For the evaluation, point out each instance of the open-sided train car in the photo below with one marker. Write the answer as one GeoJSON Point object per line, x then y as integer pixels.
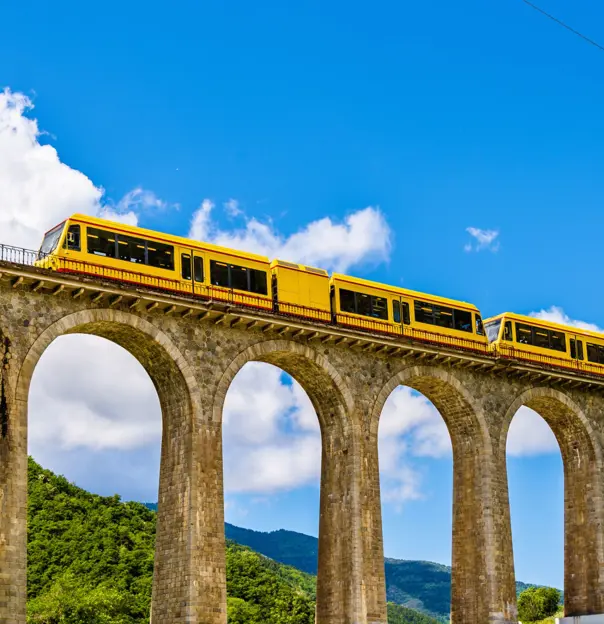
{"type": "Point", "coordinates": [84, 244]}
{"type": "Point", "coordinates": [515, 336]}
{"type": "Point", "coordinates": [377, 307]}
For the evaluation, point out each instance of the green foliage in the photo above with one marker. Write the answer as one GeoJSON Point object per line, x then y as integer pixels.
{"type": "Point", "coordinates": [90, 561]}
{"type": "Point", "coordinates": [537, 603]}
{"type": "Point", "coordinates": [398, 614]}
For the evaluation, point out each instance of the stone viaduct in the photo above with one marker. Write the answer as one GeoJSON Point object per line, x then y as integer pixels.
{"type": "Point", "coordinates": [192, 351]}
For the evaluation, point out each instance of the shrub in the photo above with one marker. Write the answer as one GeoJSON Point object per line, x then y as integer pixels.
{"type": "Point", "coordinates": [537, 603]}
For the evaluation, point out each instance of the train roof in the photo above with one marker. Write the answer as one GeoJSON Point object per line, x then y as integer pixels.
{"type": "Point", "coordinates": [545, 323]}
{"type": "Point", "coordinates": [405, 291]}
{"type": "Point", "coordinates": [161, 236]}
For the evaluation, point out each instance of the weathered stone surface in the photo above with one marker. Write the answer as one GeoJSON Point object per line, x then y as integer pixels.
{"type": "Point", "coordinates": [192, 363]}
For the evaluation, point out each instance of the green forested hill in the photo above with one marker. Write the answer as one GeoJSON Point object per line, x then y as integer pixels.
{"type": "Point", "coordinates": [421, 585]}
{"type": "Point", "coordinates": [90, 561]}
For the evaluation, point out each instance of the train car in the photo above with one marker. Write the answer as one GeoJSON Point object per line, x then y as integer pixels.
{"type": "Point", "coordinates": [380, 308]}
{"type": "Point", "coordinates": [116, 251]}
{"type": "Point", "coordinates": [514, 336]}
{"type": "Point", "coordinates": [300, 290]}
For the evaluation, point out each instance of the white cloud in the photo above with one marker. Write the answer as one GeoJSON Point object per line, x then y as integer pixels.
{"type": "Point", "coordinates": [555, 314]}
{"type": "Point", "coordinates": [37, 190]}
{"type": "Point", "coordinates": [232, 208]}
{"type": "Point", "coordinates": [530, 435]}
{"type": "Point", "coordinates": [271, 433]}
{"type": "Point", "coordinates": [363, 236]}
{"type": "Point", "coordinates": [483, 239]}
{"type": "Point", "coordinates": [87, 392]}
{"type": "Point", "coordinates": [410, 428]}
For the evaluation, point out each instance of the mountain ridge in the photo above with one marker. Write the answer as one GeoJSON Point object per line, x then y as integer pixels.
{"type": "Point", "coordinates": [421, 585]}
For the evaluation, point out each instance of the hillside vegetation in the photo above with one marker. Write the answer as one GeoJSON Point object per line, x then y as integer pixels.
{"type": "Point", "coordinates": [90, 561]}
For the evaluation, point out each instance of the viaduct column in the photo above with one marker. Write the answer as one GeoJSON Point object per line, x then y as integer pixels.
{"type": "Point", "coordinates": [351, 582]}
{"type": "Point", "coordinates": [13, 486]}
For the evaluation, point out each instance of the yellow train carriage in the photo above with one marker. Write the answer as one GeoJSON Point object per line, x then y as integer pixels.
{"type": "Point", "coordinates": [84, 244]}
{"type": "Point", "coordinates": [300, 290]}
{"type": "Point", "coordinates": [398, 311]}
{"type": "Point", "coordinates": [520, 337]}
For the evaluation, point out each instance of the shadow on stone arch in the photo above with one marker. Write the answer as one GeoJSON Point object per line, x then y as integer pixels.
{"type": "Point", "coordinates": [582, 463]}
{"type": "Point", "coordinates": [473, 550]}
{"type": "Point", "coordinates": [178, 396]}
{"type": "Point", "coordinates": [333, 404]}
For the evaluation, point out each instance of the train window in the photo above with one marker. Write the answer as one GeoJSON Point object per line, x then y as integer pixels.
{"type": "Point", "coordinates": [72, 240]}
{"type": "Point", "coordinates": [100, 243]}
{"type": "Point", "coordinates": [424, 312]}
{"type": "Point", "coordinates": [524, 334]}
{"type": "Point", "coordinates": [443, 317]}
{"type": "Point", "coordinates": [198, 268]}
{"type": "Point", "coordinates": [363, 302]}
{"type": "Point", "coordinates": [580, 349]}
{"type": "Point", "coordinates": [185, 266]}
{"type": "Point", "coordinates": [406, 315]}
{"type": "Point", "coordinates": [595, 353]}
{"type": "Point", "coordinates": [131, 249]}
{"type": "Point", "coordinates": [396, 311]}
{"type": "Point", "coordinates": [507, 331]}
{"type": "Point", "coordinates": [379, 308]}
{"type": "Point", "coordinates": [493, 330]}
{"type": "Point", "coordinates": [51, 240]}
{"type": "Point", "coordinates": [347, 301]}
{"type": "Point", "coordinates": [219, 273]}
{"type": "Point", "coordinates": [160, 256]}
{"type": "Point", "coordinates": [258, 282]}
{"type": "Point", "coordinates": [541, 338]}
{"type": "Point", "coordinates": [573, 349]}
{"type": "Point", "coordinates": [239, 278]}
{"type": "Point", "coordinates": [463, 320]}
{"type": "Point", "coordinates": [557, 341]}
{"type": "Point", "coordinates": [479, 326]}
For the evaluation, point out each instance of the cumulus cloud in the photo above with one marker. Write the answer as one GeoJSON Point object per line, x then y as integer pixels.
{"type": "Point", "coordinates": [483, 239]}
{"type": "Point", "coordinates": [232, 208]}
{"type": "Point", "coordinates": [37, 190]}
{"type": "Point", "coordinates": [363, 236]}
{"type": "Point", "coordinates": [271, 433]}
{"type": "Point", "coordinates": [88, 392]}
{"type": "Point", "coordinates": [556, 314]}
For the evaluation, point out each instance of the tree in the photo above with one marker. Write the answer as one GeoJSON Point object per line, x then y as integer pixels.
{"type": "Point", "coordinates": [537, 603]}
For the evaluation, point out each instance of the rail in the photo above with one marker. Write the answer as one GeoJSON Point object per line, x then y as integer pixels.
{"type": "Point", "coordinates": [212, 293]}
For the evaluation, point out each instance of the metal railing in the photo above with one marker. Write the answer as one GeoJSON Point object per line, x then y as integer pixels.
{"type": "Point", "coordinates": [406, 331]}
{"type": "Point", "coordinates": [211, 293]}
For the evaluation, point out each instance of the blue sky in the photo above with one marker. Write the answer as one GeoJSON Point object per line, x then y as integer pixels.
{"type": "Point", "coordinates": [442, 116]}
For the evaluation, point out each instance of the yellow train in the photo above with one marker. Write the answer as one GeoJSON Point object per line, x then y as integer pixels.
{"type": "Point", "coordinates": [87, 245]}
{"type": "Point", "coordinates": [518, 337]}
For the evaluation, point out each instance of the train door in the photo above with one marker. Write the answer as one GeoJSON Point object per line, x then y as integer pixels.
{"type": "Point", "coordinates": [576, 350]}
{"type": "Point", "coordinates": [192, 272]}
{"type": "Point", "coordinates": [400, 313]}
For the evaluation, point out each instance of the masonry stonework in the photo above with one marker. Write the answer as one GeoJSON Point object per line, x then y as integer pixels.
{"type": "Point", "coordinates": [192, 360]}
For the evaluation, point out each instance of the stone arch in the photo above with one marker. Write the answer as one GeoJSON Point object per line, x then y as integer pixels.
{"type": "Point", "coordinates": [482, 589]}
{"type": "Point", "coordinates": [583, 489]}
{"type": "Point", "coordinates": [177, 388]}
{"type": "Point", "coordinates": [149, 345]}
{"type": "Point", "coordinates": [450, 397]}
{"type": "Point", "coordinates": [320, 380]}
{"type": "Point", "coordinates": [340, 598]}
{"type": "Point", "coordinates": [565, 418]}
